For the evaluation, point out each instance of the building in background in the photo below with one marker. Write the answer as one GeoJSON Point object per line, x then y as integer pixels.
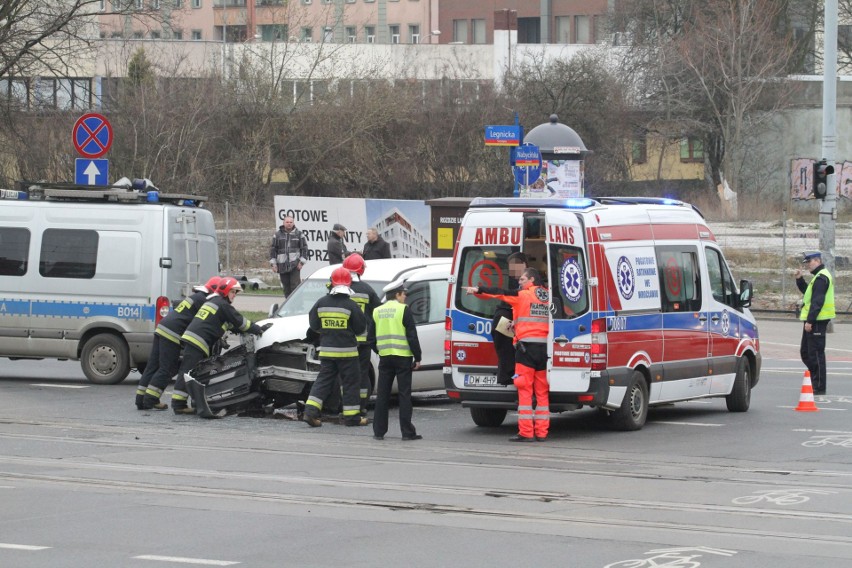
{"type": "Point", "coordinates": [405, 240]}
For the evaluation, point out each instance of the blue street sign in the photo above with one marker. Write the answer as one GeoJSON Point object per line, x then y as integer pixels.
{"type": "Point", "coordinates": [527, 164]}
{"type": "Point", "coordinates": [91, 172]}
{"type": "Point", "coordinates": [503, 135]}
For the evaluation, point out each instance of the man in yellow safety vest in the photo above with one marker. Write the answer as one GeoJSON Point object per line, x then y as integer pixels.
{"type": "Point", "coordinates": [817, 311]}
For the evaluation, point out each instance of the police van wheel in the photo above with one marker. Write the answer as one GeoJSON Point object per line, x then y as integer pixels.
{"type": "Point", "coordinates": [740, 397]}
{"type": "Point", "coordinates": [488, 417]}
{"type": "Point", "coordinates": [633, 412]}
{"type": "Point", "coordinates": [105, 359]}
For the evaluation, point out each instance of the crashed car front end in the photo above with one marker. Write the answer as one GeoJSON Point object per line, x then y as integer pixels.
{"type": "Point", "coordinates": [287, 370]}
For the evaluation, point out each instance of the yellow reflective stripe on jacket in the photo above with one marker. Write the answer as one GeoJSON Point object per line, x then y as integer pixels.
{"type": "Point", "coordinates": [827, 312]}
{"type": "Point", "coordinates": [362, 300]}
{"type": "Point", "coordinates": [166, 333]}
{"type": "Point", "coordinates": [338, 352]}
{"type": "Point", "coordinates": [390, 331]}
{"type": "Point", "coordinates": [197, 341]}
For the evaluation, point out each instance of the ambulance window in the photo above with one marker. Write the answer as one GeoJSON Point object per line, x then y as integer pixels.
{"type": "Point", "coordinates": [14, 251]}
{"type": "Point", "coordinates": [487, 267]}
{"type": "Point", "coordinates": [68, 253]}
{"type": "Point", "coordinates": [680, 280]}
{"type": "Point", "coordinates": [427, 301]}
{"type": "Point", "coordinates": [721, 282]}
{"type": "Point", "coordinates": [568, 281]}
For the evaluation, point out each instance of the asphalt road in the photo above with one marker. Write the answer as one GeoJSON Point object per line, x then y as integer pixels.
{"type": "Point", "coordinates": [87, 480]}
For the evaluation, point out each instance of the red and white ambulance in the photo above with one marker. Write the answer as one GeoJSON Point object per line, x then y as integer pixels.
{"type": "Point", "coordinates": [643, 307]}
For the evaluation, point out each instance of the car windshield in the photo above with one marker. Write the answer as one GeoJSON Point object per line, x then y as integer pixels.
{"type": "Point", "coordinates": [306, 295]}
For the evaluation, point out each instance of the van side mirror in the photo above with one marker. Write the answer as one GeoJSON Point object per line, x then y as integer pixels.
{"type": "Point", "coordinates": [746, 293]}
{"type": "Point", "coordinates": [273, 309]}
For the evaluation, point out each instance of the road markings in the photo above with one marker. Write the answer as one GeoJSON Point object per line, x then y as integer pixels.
{"type": "Point", "coordinates": [59, 386]}
{"type": "Point", "coordinates": [684, 423]}
{"type": "Point", "coordinates": [22, 546]}
{"type": "Point", "coordinates": [821, 407]}
{"type": "Point", "coordinates": [186, 560]}
{"type": "Point", "coordinates": [419, 408]}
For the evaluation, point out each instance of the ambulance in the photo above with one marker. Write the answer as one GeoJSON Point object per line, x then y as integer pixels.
{"type": "Point", "coordinates": [643, 307]}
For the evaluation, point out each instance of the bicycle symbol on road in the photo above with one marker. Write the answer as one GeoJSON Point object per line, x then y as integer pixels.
{"type": "Point", "coordinates": [671, 557]}
{"type": "Point", "coordinates": [842, 440]}
{"type": "Point", "coordinates": [781, 496]}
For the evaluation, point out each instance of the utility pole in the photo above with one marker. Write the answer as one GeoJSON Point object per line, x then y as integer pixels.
{"type": "Point", "coordinates": [828, 206]}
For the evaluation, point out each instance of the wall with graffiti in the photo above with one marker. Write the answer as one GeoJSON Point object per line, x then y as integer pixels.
{"type": "Point", "coordinates": [802, 178]}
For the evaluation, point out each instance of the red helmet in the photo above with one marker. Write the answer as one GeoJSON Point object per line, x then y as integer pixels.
{"type": "Point", "coordinates": [213, 283]}
{"type": "Point", "coordinates": [228, 284]}
{"type": "Point", "coordinates": [355, 263]}
{"type": "Point", "coordinates": [341, 277]}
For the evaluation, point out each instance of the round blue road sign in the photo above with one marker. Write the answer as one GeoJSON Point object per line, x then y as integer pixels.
{"type": "Point", "coordinates": [92, 135]}
{"type": "Point", "coordinates": [527, 164]}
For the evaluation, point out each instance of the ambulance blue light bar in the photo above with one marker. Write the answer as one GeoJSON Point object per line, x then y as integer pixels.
{"type": "Point", "coordinates": [534, 203]}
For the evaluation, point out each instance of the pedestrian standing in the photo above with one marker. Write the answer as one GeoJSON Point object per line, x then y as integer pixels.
{"type": "Point", "coordinates": [164, 359]}
{"type": "Point", "coordinates": [336, 248]}
{"type": "Point", "coordinates": [503, 344]}
{"type": "Point", "coordinates": [338, 320]}
{"type": "Point", "coordinates": [530, 307]}
{"type": "Point", "coordinates": [399, 355]}
{"type": "Point", "coordinates": [367, 299]}
{"type": "Point", "coordinates": [288, 253]}
{"type": "Point", "coordinates": [817, 311]}
{"type": "Point", "coordinates": [376, 247]}
{"type": "Point", "coordinates": [213, 319]}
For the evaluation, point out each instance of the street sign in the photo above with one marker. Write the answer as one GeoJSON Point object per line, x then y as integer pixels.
{"type": "Point", "coordinates": [527, 164]}
{"type": "Point", "coordinates": [503, 135]}
{"type": "Point", "coordinates": [92, 135]}
{"type": "Point", "coordinates": [91, 172]}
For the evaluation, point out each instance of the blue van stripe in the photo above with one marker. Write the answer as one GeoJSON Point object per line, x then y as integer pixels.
{"type": "Point", "coordinates": [48, 309]}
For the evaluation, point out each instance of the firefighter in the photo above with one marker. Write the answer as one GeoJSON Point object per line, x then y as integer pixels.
{"type": "Point", "coordinates": [400, 354]}
{"type": "Point", "coordinates": [338, 320]}
{"type": "Point", "coordinates": [363, 295]}
{"type": "Point", "coordinates": [530, 307]}
{"type": "Point", "coordinates": [213, 319]}
{"type": "Point", "coordinates": [164, 359]}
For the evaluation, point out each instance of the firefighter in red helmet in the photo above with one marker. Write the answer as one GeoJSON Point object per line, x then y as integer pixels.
{"type": "Point", "coordinates": [363, 295]}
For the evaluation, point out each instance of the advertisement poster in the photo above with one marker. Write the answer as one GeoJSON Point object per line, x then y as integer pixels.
{"type": "Point", "coordinates": [559, 178]}
{"type": "Point", "coordinates": [404, 224]}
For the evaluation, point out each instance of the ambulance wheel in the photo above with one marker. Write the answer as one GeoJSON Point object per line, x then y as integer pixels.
{"type": "Point", "coordinates": [633, 412]}
{"type": "Point", "coordinates": [488, 417]}
{"type": "Point", "coordinates": [105, 359]}
{"type": "Point", "coordinates": [740, 397]}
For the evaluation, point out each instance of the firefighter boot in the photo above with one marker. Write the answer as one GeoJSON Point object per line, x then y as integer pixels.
{"type": "Point", "coordinates": [139, 398]}
{"type": "Point", "coordinates": [150, 402]}
{"type": "Point", "coordinates": [312, 417]}
{"type": "Point", "coordinates": [182, 408]}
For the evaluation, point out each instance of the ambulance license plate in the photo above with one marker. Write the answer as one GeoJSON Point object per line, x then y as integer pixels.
{"type": "Point", "coordinates": [480, 380]}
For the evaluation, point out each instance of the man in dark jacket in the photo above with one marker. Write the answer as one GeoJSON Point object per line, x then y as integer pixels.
{"type": "Point", "coordinates": [288, 253]}
{"type": "Point", "coordinates": [503, 344]}
{"type": "Point", "coordinates": [338, 320]}
{"type": "Point", "coordinates": [376, 247]}
{"type": "Point", "coordinates": [817, 311]}
{"type": "Point", "coordinates": [337, 244]}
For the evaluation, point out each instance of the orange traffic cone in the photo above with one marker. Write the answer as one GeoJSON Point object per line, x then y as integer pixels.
{"type": "Point", "coordinates": [806, 399]}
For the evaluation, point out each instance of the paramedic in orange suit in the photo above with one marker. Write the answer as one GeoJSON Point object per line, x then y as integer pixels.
{"type": "Point", "coordinates": [530, 307]}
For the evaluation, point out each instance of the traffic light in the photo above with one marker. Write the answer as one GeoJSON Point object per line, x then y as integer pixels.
{"type": "Point", "coordinates": [821, 172]}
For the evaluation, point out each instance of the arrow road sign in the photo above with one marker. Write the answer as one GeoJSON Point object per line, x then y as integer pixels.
{"type": "Point", "coordinates": [91, 172]}
{"type": "Point", "coordinates": [92, 135]}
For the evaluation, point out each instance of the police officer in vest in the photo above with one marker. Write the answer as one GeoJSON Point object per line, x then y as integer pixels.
{"type": "Point", "coordinates": [817, 311]}
{"type": "Point", "coordinates": [530, 306]}
{"type": "Point", "coordinates": [399, 355]}
{"type": "Point", "coordinates": [363, 295]}
{"type": "Point", "coordinates": [214, 318]}
{"type": "Point", "coordinates": [338, 320]}
{"type": "Point", "coordinates": [164, 359]}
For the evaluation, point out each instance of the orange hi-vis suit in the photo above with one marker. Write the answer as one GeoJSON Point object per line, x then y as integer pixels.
{"type": "Point", "coordinates": [530, 307]}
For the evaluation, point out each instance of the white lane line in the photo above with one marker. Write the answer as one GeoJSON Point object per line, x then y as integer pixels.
{"type": "Point", "coordinates": [186, 560]}
{"type": "Point", "coordinates": [419, 408]}
{"type": "Point", "coordinates": [685, 423]}
{"type": "Point", "coordinates": [800, 373]}
{"type": "Point", "coordinates": [23, 546]}
{"type": "Point", "coordinates": [796, 345]}
{"type": "Point", "coordinates": [59, 386]}
{"type": "Point", "coordinates": [820, 431]}
{"type": "Point", "coordinates": [821, 407]}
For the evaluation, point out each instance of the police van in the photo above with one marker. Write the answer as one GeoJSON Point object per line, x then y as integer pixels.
{"type": "Point", "coordinates": [86, 273]}
{"type": "Point", "coordinates": [643, 308]}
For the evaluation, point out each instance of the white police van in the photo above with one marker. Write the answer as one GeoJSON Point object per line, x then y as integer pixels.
{"type": "Point", "coordinates": [86, 272]}
{"type": "Point", "coordinates": [643, 307]}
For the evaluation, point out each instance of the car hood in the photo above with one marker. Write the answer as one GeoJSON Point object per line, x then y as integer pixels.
{"type": "Point", "coordinates": [283, 329]}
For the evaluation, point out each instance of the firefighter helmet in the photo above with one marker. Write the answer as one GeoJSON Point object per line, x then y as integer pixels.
{"type": "Point", "coordinates": [210, 286]}
{"type": "Point", "coordinates": [228, 284]}
{"type": "Point", "coordinates": [355, 263]}
{"type": "Point", "coordinates": [341, 277]}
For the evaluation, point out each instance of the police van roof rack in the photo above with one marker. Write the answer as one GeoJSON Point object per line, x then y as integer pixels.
{"type": "Point", "coordinates": [123, 191]}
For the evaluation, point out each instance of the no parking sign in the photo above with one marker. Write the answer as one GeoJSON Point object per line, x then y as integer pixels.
{"type": "Point", "coordinates": [92, 135]}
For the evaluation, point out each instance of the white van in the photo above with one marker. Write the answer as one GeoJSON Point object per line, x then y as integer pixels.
{"type": "Point", "coordinates": [643, 307]}
{"type": "Point", "coordinates": [86, 273]}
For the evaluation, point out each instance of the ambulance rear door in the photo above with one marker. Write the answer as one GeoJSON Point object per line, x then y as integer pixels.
{"type": "Point", "coordinates": [569, 340]}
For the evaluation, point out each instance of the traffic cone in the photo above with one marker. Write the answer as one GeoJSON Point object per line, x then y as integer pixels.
{"type": "Point", "coordinates": [806, 399]}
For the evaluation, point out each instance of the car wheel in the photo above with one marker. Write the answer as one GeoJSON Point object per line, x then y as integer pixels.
{"type": "Point", "coordinates": [633, 412]}
{"type": "Point", "coordinates": [740, 397]}
{"type": "Point", "coordinates": [488, 417]}
{"type": "Point", "coordinates": [105, 359]}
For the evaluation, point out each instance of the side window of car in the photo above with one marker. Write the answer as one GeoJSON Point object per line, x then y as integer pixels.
{"type": "Point", "coordinates": [14, 251]}
{"type": "Point", "coordinates": [426, 301]}
{"type": "Point", "coordinates": [680, 278]}
{"type": "Point", "coordinates": [721, 281]}
{"type": "Point", "coordinates": [68, 253]}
